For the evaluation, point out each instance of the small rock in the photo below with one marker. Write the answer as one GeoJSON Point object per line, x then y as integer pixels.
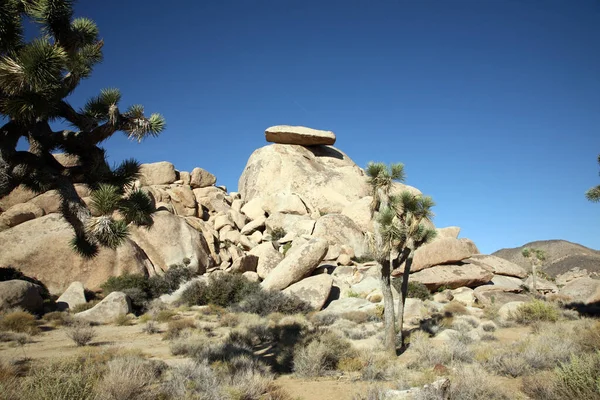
{"type": "Point", "coordinates": [73, 296]}
{"type": "Point", "coordinates": [113, 305]}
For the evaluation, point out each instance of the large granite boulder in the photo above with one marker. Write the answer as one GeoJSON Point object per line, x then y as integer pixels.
{"type": "Point", "coordinates": [73, 296]}
{"type": "Point", "coordinates": [452, 276]}
{"type": "Point", "coordinates": [285, 134]}
{"type": "Point", "coordinates": [497, 265]}
{"type": "Point", "coordinates": [338, 229]}
{"type": "Point", "coordinates": [20, 213]}
{"type": "Point", "coordinates": [313, 290]}
{"type": "Point", "coordinates": [170, 240]}
{"type": "Point", "coordinates": [268, 258]}
{"type": "Point", "coordinates": [444, 250]}
{"type": "Point", "coordinates": [296, 265]}
{"type": "Point", "coordinates": [18, 293]}
{"type": "Point", "coordinates": [41, 248]}
{"type": "Point", "coordinates": [112, 306]}
{"type": "Point", "coordinates": [200, 178]}
{"type": "Point", "coordinates": [581, 289]}
{"type": "Point", "coordinates": [159, 173]}
{"type": "Point", "coordinates": [324, 178]}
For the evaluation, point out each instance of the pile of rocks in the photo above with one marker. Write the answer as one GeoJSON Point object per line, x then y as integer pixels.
{"type": "Point", "coordinates": [298, 224]}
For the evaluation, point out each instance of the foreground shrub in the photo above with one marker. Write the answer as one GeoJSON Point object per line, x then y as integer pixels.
{"type": "Point", "coordinates": [64, 380]}
{"type": "Point", "coordinates": [128, 378]}
{"type": "Point", "coordinates": [579, 378]}
{"type": "Point", "coordinates": [321, 354]}
{"type": "Point", "coordinates": [81, 333]}
{"type": "Point", "coordinates": [535, 311]}
{"type": "Point", "coordinates": [176, 327]}
{"type": "Point", "coordinates": [470, 382]}
{"type": "Point", "coordinates": [58, 318]}
{"type": "Point", "coordinates": [221, 290]}
{"type": "Point", "coordinates": [19, 321]}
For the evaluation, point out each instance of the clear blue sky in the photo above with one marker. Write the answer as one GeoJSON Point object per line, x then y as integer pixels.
{"type": "Point", "coordinates": [493, 105]}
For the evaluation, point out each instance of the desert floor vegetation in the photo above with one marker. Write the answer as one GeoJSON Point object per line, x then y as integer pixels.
{"type": "Point", "coordinates": [216, 352]}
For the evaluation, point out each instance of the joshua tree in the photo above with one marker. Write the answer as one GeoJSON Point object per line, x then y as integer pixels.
{"type": "Point", "coordinates": [399, 231]}
{"type": "Point", "coordinates": [594, 193]}
{"type": "Point", "coordinates": [36, 78]}
{"type": "Point", "coordinates": [535, 257]}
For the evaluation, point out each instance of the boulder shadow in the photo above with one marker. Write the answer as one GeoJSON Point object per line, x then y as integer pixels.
{"type": "Point", "coordinates": [325, 151]}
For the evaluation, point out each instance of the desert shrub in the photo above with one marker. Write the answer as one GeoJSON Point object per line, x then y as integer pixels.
{"type": "Point", "coordinates": [128, 378]}
{"type": "Point", "coordinates": [351, 364]}
{"type": "Point", "coordinates": [354, 294]}
{"type": "Point", "coordinates": [122, 320]}
{"type": "Point", "coordinates": [372, 393]}
{"type": "Point", "coordinates": [377, 367]}
{"type": "Point", "coordinates": [64, 380]}
{"type": "Point", "coordinates": [489, 326]}
{"type": "Point", "coordinates": [579, 378]}
{"type": "Point", "coordinates": [84, 306]}
{"type": "Point", "coordinates": [191, 346]}
{"type": "Point", "coordinates": [488, 337]}
{"type": "Point", "coordinates": [418, 290]}
{"type": "Point", "coordinates": [164, 315]}
{"type": "Point", "coordinates": [265, 302]}
{"type": "Point", "coordinates": [277, 233]}
{"type": "Point", "coordinates": [428, 354]}
{"type": "Point", "coordinates": [170, 281]}
{"type": "Point", "coordinates": [511, 364]}
{"type": "Point", "coordinates": [324, 319]}
{"type": "Point", "coordinates": [58, 318]}
{"type": "Point", "coordinates": [534, 311]}
{"type": "Point", "coordinates": [541, 386]}
{"type": "Point", "coordinates": [321, 354]}
{"type": "Point", "coordinates": [81, 333]}
{"type": "Point", "coordinates": [19, 321]}
{"type": "Point", "coordinates": [193, 380]}
{"type": "Point", "coordinates": [472, 383]}
{"type": "Point", "coordinates": [150, 328]}
{"type": "Point", "coordinates": [176, 327]}
{"type": "Point", "coordinates": [221, 290]}
{"type": "Point", "coordinates": [587, 336]}
{"type": "Point", "coordinates": [455, 308]}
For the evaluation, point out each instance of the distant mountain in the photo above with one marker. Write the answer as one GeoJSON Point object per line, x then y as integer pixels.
{"type": "Point", "coordinates": [561, 256]}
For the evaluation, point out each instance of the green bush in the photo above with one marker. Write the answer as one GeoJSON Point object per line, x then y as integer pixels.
{"type": "Point", "coordinates": [418, 290]}
{"type": "Point", "coordinates": [579, 378]}
{"type": "Point", "coordinates": [265, 302]}
{"type": "Point", "coordinates": [277, 233]}
{"type": "Point", "coordinates": [535, 311]}
{"type": "Point", "coordinates": [221, 290]}
{"type": "Point", "coordinates": [142, 289]}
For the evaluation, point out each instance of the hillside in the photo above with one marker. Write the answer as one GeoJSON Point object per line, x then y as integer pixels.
{"type": "Point", "coordinates": [561, 256]}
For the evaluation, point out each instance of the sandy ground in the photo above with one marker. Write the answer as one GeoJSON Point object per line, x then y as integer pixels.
{"type": "Point", "coordinates": [54, 343]}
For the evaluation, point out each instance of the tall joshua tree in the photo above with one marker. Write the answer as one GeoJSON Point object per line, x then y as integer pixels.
{"type": "Point", "coordinates": [594, 193]}
{"type": "Point", "coordinates": [36, 78]}
{"type": "Point", "coordinates": [536, 257]}
{"type": "Point", "coordinates": [399, 230]}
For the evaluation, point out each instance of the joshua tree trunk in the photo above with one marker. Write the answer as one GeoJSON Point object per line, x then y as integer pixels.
{"type": "Point", "coordinates": [404, 294]}
{"type": "Point", "coordinates": [388, 301]}
{"type": "Point", "coordinates": [534, 278]}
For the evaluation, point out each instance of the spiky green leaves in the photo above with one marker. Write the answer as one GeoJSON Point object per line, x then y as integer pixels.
{"type": "Point", "coordinates": [138, 126]}
{"type": "Point", "coordinates": [137, 208]}
{"type": "Point", "coordinates": [381, 176]}
{"type": "Point", "coordinates": [11, 30]}
{"type": "Point", "coordinates": [106, 199]}
{"type": "Point", "coordinates": [54, 15]}
{"type": "Point", "coordinates": [593, 194]}
{"type": "Point", "coordinates": [107, 231]}
{"type": "Point", "coordinates": [99, 107]}
{"type": "Point", "coordinates": [84, 32]}
{"type": "Point", "coordinates": [534, 255]}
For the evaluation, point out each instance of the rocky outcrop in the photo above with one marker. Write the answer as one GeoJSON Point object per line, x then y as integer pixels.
{"type": "Point", "coordinates": [112, 306]}
{"type": "Point", "coordinates": [340, 230]}
{"type": "Point", "coordinates": [452, 276]}
{"type": "Point", "coordinates": [296, 265]}
{"type": "Point", "coordinates": [268, 258]}
{"type": "Point", "coordinates": [73, 296]}
{"type": "Point", "coordinates": [323, 177]}
{"type": "Point", "coordinates": [159, 173]}
{"type": "Point", "coordinates": [200, 178]}
{"type": "Point", "coordinates": [497, 265]}
{"type": "Point", "coordinates": [285, 134]}
{"type": "Point", "coordinates": [23, 294]}
{"type": "Point", "coordinates": [169, 241]}
{"type": "Point", "coordinates": [41, 248]}
{"type": "Point", "coordinates": [444, 250]}
{"type": "Point", "coordinates": [581, 289]}
{"type": "Point", "coordinates": [313, 290]}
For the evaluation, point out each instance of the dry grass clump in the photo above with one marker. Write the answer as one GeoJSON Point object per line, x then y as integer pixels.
{"type": "Point", "coordinates": [536, 311]}
{"type": "Point", "coordinates": [150, 328]}
{"type": "Point", "coordinates": [81, 333]}
{"type": "Point", "coordinates": [429, 354]}
{"type": "Point", "coordinates": [321, 354]}
{"type": "Point", "coordinates": [471, 382]}
{"type": "Point", "coordinates": [579, 378]}
{"type": "Point", "coordinates": [84, 306]}
{"type": "Point", "coordinates": [122, 320]}
{"type": "Point", "coordinates": [58, 318]}
{"type": "Point", "coordinates": [128, 378]}
{"type": "Point", "coordinates": [372, 393]}
{"type": "Point", "coordinates": [190, 346]}
{"type": "Point", "coordinates": [20, 322]}
{"type": "Point", "coordinates": [176, 328]}
{"type": "Point", "coordinates": [323, 318]}
{"type": "Point", "coordinates": [587, 335]}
